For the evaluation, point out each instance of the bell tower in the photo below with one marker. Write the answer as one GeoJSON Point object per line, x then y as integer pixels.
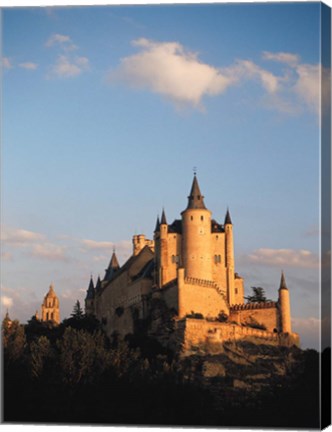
{"type": "Point", "coordinates": [50, 307]}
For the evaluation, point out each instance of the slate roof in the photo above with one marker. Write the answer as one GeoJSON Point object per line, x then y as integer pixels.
{"type": "Point", "coordinates": [90, 294]}
{"type": "Point", "coordinates": [228, 219]}
{"type": "Point", "coordinates": [175, 227]}
{"type": "Point", "coordinates": [283, 282]}
{"type": "Point", "coordinates": [195, 199]}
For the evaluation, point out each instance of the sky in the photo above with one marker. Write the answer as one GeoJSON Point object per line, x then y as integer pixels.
{"type": "Point", "coordinates": [106, 111]}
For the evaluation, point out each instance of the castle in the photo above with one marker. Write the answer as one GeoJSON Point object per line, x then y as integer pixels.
{"type": "Point", "coordinates": [186, 276]}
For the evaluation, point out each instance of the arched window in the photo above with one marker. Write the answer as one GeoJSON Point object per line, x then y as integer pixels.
{"type": "Point", "coordinates": [202, 218]}
{"type": "Point", "coordinates": [191, 217]}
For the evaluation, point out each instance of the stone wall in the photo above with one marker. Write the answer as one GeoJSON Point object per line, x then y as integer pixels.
{"type": "Point", "coordinates": [266, 314]}
{"type": "Point", "coordinates": [199, 296]}
{"type": "Point", "coordinates": [209, 336]}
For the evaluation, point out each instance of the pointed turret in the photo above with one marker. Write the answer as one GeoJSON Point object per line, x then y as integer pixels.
{"type": "Point", "coordinates": [98, 285]}
{"type": "Point", "coordinates": [112, 268]}
{"type": "Point", "coordinates": [90, 294]}
{"type": "Point", "coordinates": [163, 218]}
{"type": "Point", "coordinates": [284, 305]}
{"type": "Point", "coordinates": [228, 220]}
{"type": "Point", "coordinates": [283, 282]}
{"type": "Point", "coordinates": [195, 199]}
{"type": "Point", "coordinates": [157, 229]}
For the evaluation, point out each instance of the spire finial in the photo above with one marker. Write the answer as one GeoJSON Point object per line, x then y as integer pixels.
{"type": "Point", "coordinates": [195, 170]}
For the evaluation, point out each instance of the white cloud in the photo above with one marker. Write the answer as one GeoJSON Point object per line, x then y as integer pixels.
{"type": "Point", "coordinates": [282, 57]}
{"type": "Point", "coordinates": [284, 258]}
{"type": "Point", "coordinates": [56, 39]}
{"type": "Point", "coordinates": [6, 63]}
{"type": "Point", "coordinates": [168, 69]}
{"type": "Point", "coordinates": [6, 301]}
{"type": "Point", "coordinates": [307, 86]}
{"type": "Point", "coordinates": [247, 70]}
{"type": "Point", "coordinates": [28, 65]}
{"type": "Point", "coordinates": [20, 236]}
{"type": "Point", "coordinates": [67, 67]}
{"type": "Point", "coordinates": [49, 251]}
{"type": "Point", "coordinates": [97, 245]}
{"type": "Point", "coordinates": [122, 248]}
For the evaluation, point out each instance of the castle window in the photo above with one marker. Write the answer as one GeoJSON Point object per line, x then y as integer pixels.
{"type": "Point", "coordinates": [236, 291]}
{"type": "Point", "coordinates": [191, 217]}
{"type": "Point", "coordinates": [217, 237]}
{"type": "Point", "coordinates": [202, 218]}
{"type": "Point", "coordinates": [198, 197]}
{"type": "Point", "coordinates": [217, 259]}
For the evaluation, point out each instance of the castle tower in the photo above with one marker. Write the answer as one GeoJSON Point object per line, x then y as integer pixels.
{"type": "Point", "coordinates": [50, 307]}
{"type": "Point", "coordinates": [229, 258]}
{"type": "Point", "coordinates": [196, 236]}
{"type": "Point", "coordinates": [89, 299]}
{"type": "Point", "coordinates": [163, 249]}
{"type": "Point", "coordinates": [284, 304]}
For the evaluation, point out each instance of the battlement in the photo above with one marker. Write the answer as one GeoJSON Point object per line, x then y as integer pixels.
{"type": "Point", "coordinates": [249, 306]}
{"type": "Point", "coordinates": [204, 283]}
{"type": "Point", "coordinates": [198, 333]}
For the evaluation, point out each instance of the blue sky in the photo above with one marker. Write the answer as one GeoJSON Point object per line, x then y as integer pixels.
{"type": "Point", "coordinates": [106, 110]}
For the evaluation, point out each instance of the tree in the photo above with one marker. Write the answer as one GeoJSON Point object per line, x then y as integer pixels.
{"type": "Point", "coordinates": [77, 311]}
{"type": "Point", "coordinates": [14, 340]}
{"type": "Point", "coordinates": [40, 351]}
{"type": "Point", "coordinates": [258, 295]}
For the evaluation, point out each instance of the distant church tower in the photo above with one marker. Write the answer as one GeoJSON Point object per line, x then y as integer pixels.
{"type": "Point", "coordinates": [50, 307]}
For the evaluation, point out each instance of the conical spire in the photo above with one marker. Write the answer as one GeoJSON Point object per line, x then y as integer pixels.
{"type": "Point", "coordinates": [157, 229]}
{"type": "Point", "coordinates": [98, 284]}
{"type": "Point", "coordinates": [112, 267]}
{"type": "Point", "coordinates": [195, 199]}
{"type": "Point", "coordinates": [91, 290]}
{"type": "Point", "coordinates": [114, 263]}
{"type": "Point", "coordinates": [228, 219]}
{"type": "Point", "coordinates": [163, 218]}
{"type": "Point", "coordinates": [283, 282]}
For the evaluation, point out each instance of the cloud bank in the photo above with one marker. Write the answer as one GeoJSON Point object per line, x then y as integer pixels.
{"type": "Point", "coordinates": [284, 258]}
{"type": "Point", "coordinates": [170, 70]}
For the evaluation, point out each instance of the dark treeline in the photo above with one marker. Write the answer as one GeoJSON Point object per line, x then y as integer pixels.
{"type": "Point", "coordinates": [72, 373]}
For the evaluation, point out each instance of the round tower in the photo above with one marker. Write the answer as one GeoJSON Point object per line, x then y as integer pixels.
{"type": "Point", "coordinates": [284, 303]}
{"type": "Point", "coordinates": [229, 258]}
{"type": "Point", "coordinates": [196, 236]}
